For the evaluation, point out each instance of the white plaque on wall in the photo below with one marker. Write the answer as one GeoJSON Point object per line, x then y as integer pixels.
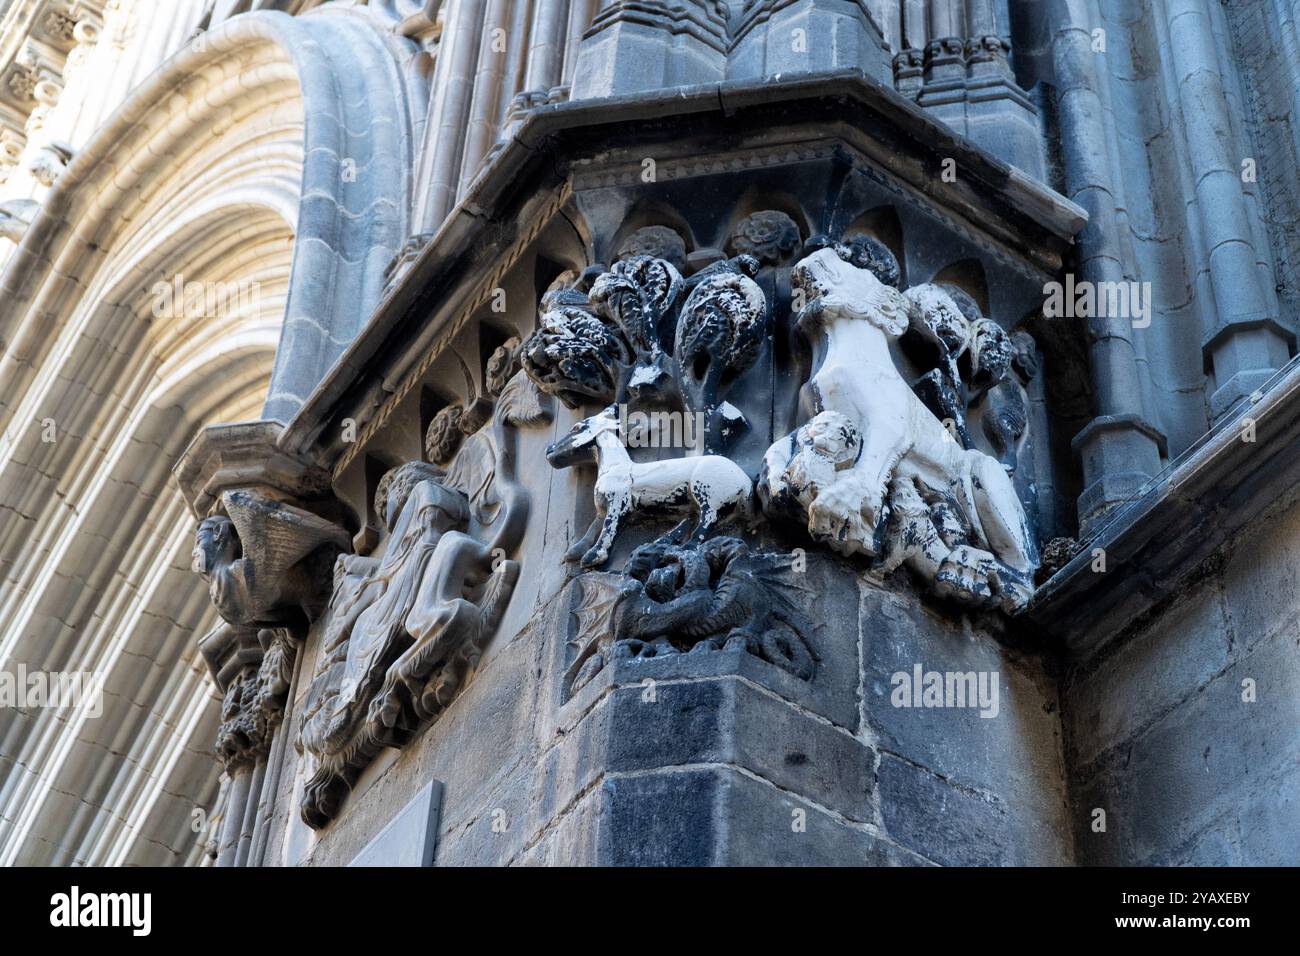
{"type": "Point", "coordinates": [410, 837]}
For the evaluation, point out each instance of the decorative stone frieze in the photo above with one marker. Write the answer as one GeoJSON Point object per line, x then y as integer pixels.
{"type": "Point", "coordinates": [883, 468]}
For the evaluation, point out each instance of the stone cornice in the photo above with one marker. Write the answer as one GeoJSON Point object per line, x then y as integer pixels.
{"type": "Point", "coordinates": [1191, 510]}
{"type": "Point", "coordinates": [243, 455]}
{"type": "Point", "coordinates": [531, 171]}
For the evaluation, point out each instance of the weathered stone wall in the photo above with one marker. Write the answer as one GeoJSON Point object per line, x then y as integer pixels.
{"type": "Point", "coordinates": [721, 758]}
{"type": "Point", "coordinates": [1161, 732]}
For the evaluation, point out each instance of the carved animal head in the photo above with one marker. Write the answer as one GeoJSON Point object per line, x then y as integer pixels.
{"type": "Point", "coordinates": [215, 545]}
{"type": "Point", "coordinates": [579, 445]}
{"type": "Point", "coordinates": [827, 444]}
{"type": "Point", "coordinates": [574, 354]}
{"type": "Point", "coordinates": [834, 437]}
{"type": "Point", "coordinates": [938, 319]}
{"type": "Point", "coordinates": [991, 353]}
{"type": "Point", "coordinates": [795, 471]}
{"type": "Point", "coordinates": [831, 288]}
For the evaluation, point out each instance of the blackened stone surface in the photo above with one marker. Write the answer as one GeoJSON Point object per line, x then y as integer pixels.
{"type": "Point", "coordinates": [950, 825]}
{"type": "Point", "coordinates": [1163, 733]}
{"type": "Point", "coordinates": [1012, 760]}
{"type": "Point", "coordinates": [723, 817]}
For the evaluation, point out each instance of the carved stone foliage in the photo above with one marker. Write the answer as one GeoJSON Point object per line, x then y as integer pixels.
{"type": "Point", "coordinates": [672, 599]}
{"type": "Point", "coordinates": [405, 629]}
{"type": "Point", "coordinates": [875, 472]}
{"type": "Point", "coordinates": [977, 368]}
{"type": "Point", "coordinates": [254, 697]}
{"type": "Point", "coordinates": [657, 242]}
{"type": "Point", "coordinates": [576, 355]}
{"type": "Point", "coordinates": [608, 346]}
{"type": "Point", "coordinates": [769, 236]}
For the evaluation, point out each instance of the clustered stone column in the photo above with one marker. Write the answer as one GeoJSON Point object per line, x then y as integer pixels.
{"type": "Point", "coordinates": [267, 561]}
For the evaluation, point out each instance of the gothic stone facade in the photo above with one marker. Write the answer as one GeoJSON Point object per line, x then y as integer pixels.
{"type": "Point", "coordinates": [840, 432]}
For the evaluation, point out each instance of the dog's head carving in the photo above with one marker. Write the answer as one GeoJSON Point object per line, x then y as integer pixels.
{"type": "Point", "coordinates": [829, 288]}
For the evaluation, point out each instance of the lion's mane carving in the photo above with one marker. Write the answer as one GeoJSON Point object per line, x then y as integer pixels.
{"type": "Point", "coordinates": [902, 488]}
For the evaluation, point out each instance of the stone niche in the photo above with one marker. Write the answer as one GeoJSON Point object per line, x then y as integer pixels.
{"type": "Point", "coordinates": [711, 673]}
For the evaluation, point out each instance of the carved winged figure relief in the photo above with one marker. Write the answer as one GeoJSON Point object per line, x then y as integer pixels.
{"type": "Point", "coordinates": [404, 630]}
{"type": "Point", "coordinates": [257, 561]}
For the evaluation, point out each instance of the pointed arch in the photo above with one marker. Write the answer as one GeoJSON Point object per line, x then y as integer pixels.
{"type": "Point", "coordinates": [270, 158]}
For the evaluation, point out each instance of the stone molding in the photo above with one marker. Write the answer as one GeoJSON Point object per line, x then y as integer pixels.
{"type": "Point", "coordinates": [1032, 219]}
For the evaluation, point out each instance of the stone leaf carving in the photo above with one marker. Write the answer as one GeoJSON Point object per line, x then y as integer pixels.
{"type": "Point", "coordinates": [720, 330]}
{"type": "Point", "coordinates": [606, 347]}
{"type": "Point", "coordinates": [770, 236]}
{"type": "Point", "coordinates": [977, 364]}
{"type": "Point", "coordinates": [875, 472]}
{"type": "Point", "coordinates": [253, 701]}
{"type": "Point", "coordinates": [574, 354]}
{"type": "Point", "coordinates": [706, 489]}
{"type": "Point", "coordinates": [636, 294]}
{"type": "Point", "coordinates": [863, 251]}
{"type": "Point", "coordinates": [404, 631]}
{"type": "Point", "coordinates": [660, 242]}
{"type": "Point", "coordinates": [265, 561]}
{"type": "Point", "coordinates": [671, 599]}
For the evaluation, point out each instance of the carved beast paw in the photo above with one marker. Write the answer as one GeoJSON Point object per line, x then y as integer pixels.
{"type": "Point", "coordinates": [976, 578]}
{"type": "Point", "coordinates": [844, 517]}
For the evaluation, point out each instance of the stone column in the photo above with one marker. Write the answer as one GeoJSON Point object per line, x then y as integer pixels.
{"type": "Point", "coordinates": [1120, 450]}
{"type": "Point", "coordinates": [636, 46]}
{"type": "Point", "coordinates": [267, 560]}
{"type": "Point", "coordinates": [968, 83]}
{"type": "Point", "coordinates": [1247, 344]}
{"type": "Point", "coordinates": [444, 135]}
{"type": "Point", "coordinates": [807, 36]}
{"type": "Point", "coordinates": [909, 62]}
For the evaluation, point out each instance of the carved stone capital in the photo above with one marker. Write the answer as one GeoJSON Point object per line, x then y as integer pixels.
{"type": "Point", "coordinates": [253, 669]}
{"type": "Point", "coordinates": [269, 530]}
{"type": "Point", "coordinates": [245, 455]}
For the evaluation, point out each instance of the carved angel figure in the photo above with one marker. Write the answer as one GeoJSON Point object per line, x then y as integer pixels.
{"type": "Point", "coordinates": [256, 561]}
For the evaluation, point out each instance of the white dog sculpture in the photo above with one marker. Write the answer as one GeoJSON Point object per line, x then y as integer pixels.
{"type": "Point", "coordinates": [960, 523]}
{"type": "Point", "coordinates": [708, 487]}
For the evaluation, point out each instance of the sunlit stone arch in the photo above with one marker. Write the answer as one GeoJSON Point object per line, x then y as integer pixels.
{"type": "Point", "coordinates": [249, 158]}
